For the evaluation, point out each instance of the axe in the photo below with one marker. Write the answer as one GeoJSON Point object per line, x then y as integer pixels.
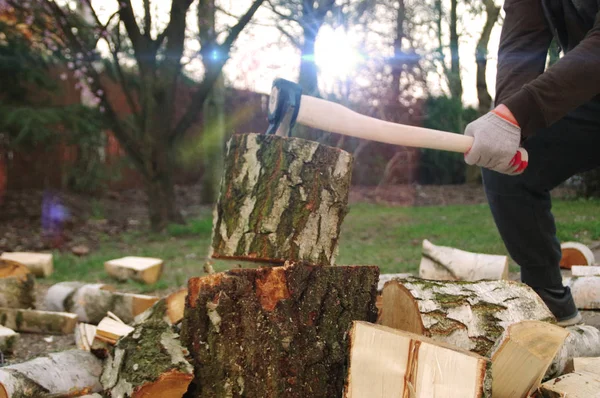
{"type": "Point", "coordinates": [287, 106]}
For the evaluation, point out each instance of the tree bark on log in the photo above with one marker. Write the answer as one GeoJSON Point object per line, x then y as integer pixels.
{"type": "Point", "coordinates": [16, 285]}
{"type": "Point", "coordinates": [281, 199]}
{"type": "Point", "coordinates": [449, 264]}
{"type": "Point", "coordinates": [40, 264]}
{"type": "Point", "coordinates": [585, 270]}
{"type": "Point", "coordinates": [91, 302]}
{"type": "Point", "coordinates": [149, 361]}
{"type": "Point", "coordinates": [469, 315]}
{"type": "Point", "coordinates": [522, 355]}
{"type": "Point", "coordinates": [583, 341]}
{"type": "Point", "coordinates": [275, 332]}
{"type": "Point", "coordinates": [386, 362]}
{"type": "Point", "coordinates": [65, 374]}
{"type": "Point", "coordinates": [35, 321]}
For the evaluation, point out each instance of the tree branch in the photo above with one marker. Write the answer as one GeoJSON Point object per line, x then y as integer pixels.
{"type": "Point", "coordinates": [147, 19]}
{"type": "Point", "coordinates": [138, 41]}
{"type": "Point", "coordinates": [289, 36]}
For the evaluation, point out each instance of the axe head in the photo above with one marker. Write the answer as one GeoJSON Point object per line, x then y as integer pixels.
{"type": "Point", "coordinates": [284, 104]}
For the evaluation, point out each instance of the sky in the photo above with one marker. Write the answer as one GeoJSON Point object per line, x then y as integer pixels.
{"type": "Point", "coordinates": [261, 54]}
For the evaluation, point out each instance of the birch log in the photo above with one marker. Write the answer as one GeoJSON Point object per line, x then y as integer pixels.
{"type": "Point", "coordinates": [585, 291]}
{"type": "Point", "coordinates": [149, 361]}
{"type": "Point", "coordinates": [469, 315]}
{"type": "Point", "coordinates": [91, 302]}
{"type": "Point", "coordinates": [64, 374]}
{"type": "Point", "coordinates": [275, 332]}
{"type": "Point", "coordinates": [40, 264]}
{"type": "Point", "coordinates": [574, 253]}
{"type": "Point", "coordinates": [16, 285]}
{"type": "Point", "coordinates": [386, 362]}
{"type": "Point", "coordinates": [35, 321]}
{"type": "Point", "coordinates": [572, 385]}
{"type": "Point", "coordinates": [281, 199]}
{"type": "Point", "coordinates": [582, 341]}
{"type": "Point", "coordinates": [585, 270]}
{"type": "Point", "coordinates": [450, 264]}
{"type": "Point", "coordinates": [8, 340]}
{"type": "Point", "coordinates": [522, 355]}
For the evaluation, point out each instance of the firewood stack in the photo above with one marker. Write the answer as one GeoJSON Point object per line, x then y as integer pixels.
{"type": "Point", "coordinates": [297, 324]}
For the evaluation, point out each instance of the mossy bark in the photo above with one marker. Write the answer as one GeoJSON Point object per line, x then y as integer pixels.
{"type": "Point", "coordinates": [469, 315]}
{"type": "Point", "coordinates": [68, 373]}
{"type": "Point", "coordinates": [275, 332]}
{"type": "Point", "coordinates": [149, 361]}
{"type": "Point", "coordinates": [281, 199]}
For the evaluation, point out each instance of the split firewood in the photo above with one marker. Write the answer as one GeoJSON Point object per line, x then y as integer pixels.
{"type": "Point", "coordinates": [574, 253]}
{"type": "Point", "coordinates": [91, 302]}
{"type": "Point", "coordinates": [16, 285]}
{"type": "Point", "coordinates": [470, 315]}
{"type": "Point", "coordinates": [64, 374]}
{"type": "Point", "coordinates": [84, 336]}
{"type": "Point", "coordinates": [450, 264]}
{"type": "Point", "coordinates": [8, 340]}
{"type": "Point", "coordinates": [282, 198]}
{"type": "Point", "coordinates": [590, 365]}
{"type": "Point", "coordinates": [522, 355]}
{"type": "Point", "coordinates": [176, 305]}
{"type": "Point", "coordinates": [149, 361]}
{"type": "Point", "coordinates": [262, 332]}
{"type": "Point", "coordinates": [585, 270]}
{"type": "Point", "coordinates": [35, 321]}
{"type": "Point", "coordinates": [142, 269]}
{"type": "Point", "coordinates": [386, 362]}
{"type": "Point", "coordinates": [572, 385]}
{"type": "Point", "coordinates": [583, 341]}
{"type": "Point", "coordinates": [110, 330]}
{"type": "Point", "coordinates": [585, 291]}
{"type": "Point", "coordinates": [40, 264]}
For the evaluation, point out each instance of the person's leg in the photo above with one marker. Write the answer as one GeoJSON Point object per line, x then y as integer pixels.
{"type": "Point", "coordinates": [521, 205]}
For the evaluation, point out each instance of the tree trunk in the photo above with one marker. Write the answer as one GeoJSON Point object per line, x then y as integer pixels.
{"type": "Point", "coordinates": [308, 77]}
{"type": "Point", "coordinates": [449, 264]}
{"type": "Point", "coordinates": [213, 136]}
{"type": "Point", "coordinates": [454, 81]}
{"type": "Point", "coordinates": [64, 374]}
{"type": "Point", "coordinates": [16, 285]}
{"type": "Point", "coordinates": [275, 332]}
{"type": "Point", "coordinates": [398, 61]}
{"type": "Point", "coordinates": [481, 52]}
{"type": "Point", "coordinates": [281, 199]}
{"type": "Point", "coordinates": [149, 361]}
{"type": "Point", "coordinates": [522, 355]}
{"type": "Point", "coordinates": [470, 315]}
{"type": "Point", "coordinates": [387, 362]}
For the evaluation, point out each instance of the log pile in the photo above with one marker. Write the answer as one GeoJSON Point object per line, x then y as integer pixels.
{"type": "Point", "coordinates": [297, 324]}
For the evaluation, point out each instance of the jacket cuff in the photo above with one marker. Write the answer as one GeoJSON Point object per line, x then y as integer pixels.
{"type": "Point", "coordinates": [526, 110]}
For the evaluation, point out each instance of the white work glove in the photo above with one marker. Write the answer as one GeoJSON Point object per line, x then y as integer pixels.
{"type": "Point", "coordinates": [495, 145]}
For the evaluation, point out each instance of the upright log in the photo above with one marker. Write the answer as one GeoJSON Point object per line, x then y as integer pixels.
{"type": "Point", "coordinates": [281, 199]}
{"type": "Point", "coordinates": [64, 374]}
{"type": "Point", "coordinates": [275, 332]}
{"type": "Point", "coordinates": [470, 315]}
{"type": "Point", "coordinates": [16, 285]}
{"type": "Point", "coordinates": [149, 361]}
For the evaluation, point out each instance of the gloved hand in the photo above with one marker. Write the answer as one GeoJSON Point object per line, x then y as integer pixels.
{"type": "Point", "coordinates": [495, 145]}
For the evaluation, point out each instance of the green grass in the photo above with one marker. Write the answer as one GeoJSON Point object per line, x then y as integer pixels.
{"type": "Point", "coordinates": [389, 237]}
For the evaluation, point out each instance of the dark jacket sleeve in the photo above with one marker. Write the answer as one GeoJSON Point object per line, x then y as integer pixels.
{"type": "Point", "coordinates": [524, 44]}
{"type": "Point", "coordinates": [571, 82]}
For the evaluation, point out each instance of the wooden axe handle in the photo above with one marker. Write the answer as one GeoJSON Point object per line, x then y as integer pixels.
{"type": "Point", "coordinates": [329, 116]}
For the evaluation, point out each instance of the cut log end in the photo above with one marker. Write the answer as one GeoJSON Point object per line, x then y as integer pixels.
{"type": "Point", "coordinates": [172, 384]}
{"type": "Point", "coordinates": [142, 269]}
{"type": "Point", "coordinates": [176, 305]}
{"type": "Point", "coordinates": [17, 285]}
{"type": "Point", "coordinates": [40, 264]}
{"type": "Point", "coordinates": [574, 253]}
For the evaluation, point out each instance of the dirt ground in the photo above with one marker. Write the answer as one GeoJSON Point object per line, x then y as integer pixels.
{"type": "Point", "coordinates": [90, 217]}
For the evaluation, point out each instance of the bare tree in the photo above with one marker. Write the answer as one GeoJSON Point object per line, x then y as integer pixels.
{"type": "Point", "coordinates": [492, 12]}
{"type": "Point", "coordinates": [148, 66]}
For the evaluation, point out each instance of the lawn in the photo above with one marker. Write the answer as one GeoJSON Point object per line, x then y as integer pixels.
{"type": "Point", "coordinates": [389, 237]}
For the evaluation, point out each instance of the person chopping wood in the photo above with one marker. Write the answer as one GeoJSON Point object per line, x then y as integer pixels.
{"type": "Point", "coordinates": [555, 115]}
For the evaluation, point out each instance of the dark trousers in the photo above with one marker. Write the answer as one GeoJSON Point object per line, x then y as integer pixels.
{"type": "Point", "coordinates": [521, 205]}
